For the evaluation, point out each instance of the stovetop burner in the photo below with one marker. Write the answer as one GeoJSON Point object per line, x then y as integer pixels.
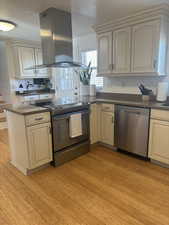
{"type": "Point", "coordinates": [57, 108]}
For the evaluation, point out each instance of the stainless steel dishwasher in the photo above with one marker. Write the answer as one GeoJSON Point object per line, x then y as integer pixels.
{"type": "Point", "coordinates": [131, 129]}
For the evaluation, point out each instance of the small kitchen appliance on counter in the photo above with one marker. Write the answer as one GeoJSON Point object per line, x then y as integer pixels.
{"type": "Point", "coordinates": [162, 91]}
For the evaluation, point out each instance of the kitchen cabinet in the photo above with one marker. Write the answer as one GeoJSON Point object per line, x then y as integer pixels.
{"type": "Point", "coordinates": [159, 133]}
{"type": "Point", "coordinates": [136, 45]}
{"type": "Point", "coordinates": [105, 62]}
{"type": "Point", "coordinates": [30, 140]}
{"type": "Point", "coordinates": [145, 38]}
{"type": "Point", "coordinates": [107, 124]}
{"type": "Point", "coordinates": [94, 123]}
{"type": "Point", "coordinates": [38, 61]}
{"type": "Point", "coordinates": [40, 145]}
{"type": "Point", "coordinates": [102, 124]}
{"type": "Point", "coordinates": [121, 50]}
{"type": "Point", "coordinates": [26, 57]}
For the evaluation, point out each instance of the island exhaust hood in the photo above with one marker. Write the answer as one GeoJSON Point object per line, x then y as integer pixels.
{"type": "Point", "coordinates": [56, 38]}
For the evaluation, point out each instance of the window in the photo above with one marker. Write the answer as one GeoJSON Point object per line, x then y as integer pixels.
{"type": "Point", "coordinates": [66, 83]}
{"type": "Point", "coordinates": [91, 56]}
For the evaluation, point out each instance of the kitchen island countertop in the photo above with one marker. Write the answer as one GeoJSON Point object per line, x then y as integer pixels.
{"type": "Point", "coordinates": [25, 110]}
{"type": "Point", "coordinates": [30, 109]}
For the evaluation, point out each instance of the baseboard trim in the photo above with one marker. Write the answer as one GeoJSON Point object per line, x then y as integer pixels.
{"type": "Point", "coordinates": [159, 163]}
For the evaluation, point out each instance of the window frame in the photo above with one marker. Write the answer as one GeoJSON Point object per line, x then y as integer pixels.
{"type": "Point", "coordinates": [83, 60]}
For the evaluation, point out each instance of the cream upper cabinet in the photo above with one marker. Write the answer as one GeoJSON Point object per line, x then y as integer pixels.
{"type": "Point", "coordinates": [136, 45]}
{"type": "Point", "coordinates": [38, 58]}
{"type": "Point", "coordinates": [121, 50]}
{"type": "Point", "coordinates": [145, 38]}
{"type": "Point", "coordinates": [105, 62]}
{"type": "Point", "coordinates": [40, 144]}
{"type": "Point", "coordinates": [25, 59]}
{"type": "Point", "coordinates": [107, 127]}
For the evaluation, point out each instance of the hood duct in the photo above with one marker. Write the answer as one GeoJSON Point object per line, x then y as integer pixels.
{"type": "Point", "coordinates": [56, 38]}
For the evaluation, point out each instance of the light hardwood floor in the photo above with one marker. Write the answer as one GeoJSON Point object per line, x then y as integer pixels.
{"type": "Point", "coordinates": [100, 188]}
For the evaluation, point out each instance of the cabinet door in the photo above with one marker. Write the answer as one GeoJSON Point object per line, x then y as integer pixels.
{"type": "Point", "coordinates": [107, 128]}
{"type": "Point", "coordinates": [105, 53]}
{"type": "Point", "coordinates": [145, 39]}
{"type": "Point", "coordinates": [159, 141]}
{"type": "Point", "coordinates": [40, 144]}
{"type": "Point", "coordinates": [26, 58]}
{"type": "Point", "coordinates": [38, 58]}
{"type": "Point", "coordinates": [94, 123]}
{"type": "Point", "coordinates": [121, 50]}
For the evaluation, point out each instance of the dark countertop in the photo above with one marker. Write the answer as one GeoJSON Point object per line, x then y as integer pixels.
{"type": "Point", "coordinates": [143, 104]}
{"type": "Point", "coordinates": [25, 110]}
{"type": "Point", "coordinates": [30, 109]}
{"type": "Point", "coordinates": [150, 104]}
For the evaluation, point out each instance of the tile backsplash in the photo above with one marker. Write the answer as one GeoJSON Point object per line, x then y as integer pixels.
{"type": "Point", "coordinates": [25, 83]}
{"type": "Point", "coordinates": [129, 85]}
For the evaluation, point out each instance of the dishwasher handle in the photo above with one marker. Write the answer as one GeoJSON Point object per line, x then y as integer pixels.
{"type": "Point", "coordinates": [132, 111]}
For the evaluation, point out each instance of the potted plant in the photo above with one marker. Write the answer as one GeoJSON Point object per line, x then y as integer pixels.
{"type": "Point", "coordinates": [85, 76]}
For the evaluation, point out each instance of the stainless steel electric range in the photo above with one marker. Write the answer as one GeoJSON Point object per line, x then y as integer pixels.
{"type": "Point", "coordinates": [66, 148]}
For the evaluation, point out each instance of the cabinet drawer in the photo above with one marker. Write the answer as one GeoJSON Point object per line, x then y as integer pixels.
{"type": "Point", "coordinates": [37, 118]}
{"type": "Point", "coordinates": [160, 114]}
{"type": "Point", "coordinates": [107, 107]}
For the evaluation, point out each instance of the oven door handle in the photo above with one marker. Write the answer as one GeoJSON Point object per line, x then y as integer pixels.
{"type": "Point", "coordinates": [64, 117]}
{"type": "Point", "coordinates": [61, 118]}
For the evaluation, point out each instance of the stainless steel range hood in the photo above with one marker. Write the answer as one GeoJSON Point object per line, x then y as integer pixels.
{"type": "Point", "coordinates": [56, 37]}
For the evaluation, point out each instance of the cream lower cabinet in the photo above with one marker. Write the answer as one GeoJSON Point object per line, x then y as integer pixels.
{"type": "Point", "coordinates": [30, 140]}
{"type": "Point", "coordinates": [159, 136]}
{"type": "Point", "coordinates": [94, 123]}
{"type": "Point", "coordinates": [102, 123]}
{"type": "Point", "coordinates": [107, 124]}
{"type": "Point", "coordinates": [107, 128]}
{"type": "Point", "coordinates": [40, 145]}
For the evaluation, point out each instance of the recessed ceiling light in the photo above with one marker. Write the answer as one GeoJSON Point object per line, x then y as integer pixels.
{"type": "Point", "coordinates": [6, 25]}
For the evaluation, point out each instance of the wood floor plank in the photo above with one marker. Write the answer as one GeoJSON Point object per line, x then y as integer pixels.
{"type": "Point", "coordinates": [99, 188]}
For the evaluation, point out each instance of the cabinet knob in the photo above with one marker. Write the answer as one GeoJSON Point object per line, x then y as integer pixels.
{"type": "Point", "coordinates": [111, 67]}
{"type": "Point", "coordinates": [155, 63]}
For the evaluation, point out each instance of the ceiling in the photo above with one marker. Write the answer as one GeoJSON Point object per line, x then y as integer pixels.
{"type": "Point", "coordinates": [85, 13]}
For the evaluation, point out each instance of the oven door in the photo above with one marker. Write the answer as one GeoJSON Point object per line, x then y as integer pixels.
{"type": "Point", "coordinates": [61, 137]}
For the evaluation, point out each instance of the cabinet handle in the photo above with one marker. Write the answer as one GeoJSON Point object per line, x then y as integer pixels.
{"type": "Point", "coordinates": [110, 66]}
{"type": "Point", "coordinates": [155, 63]}
{"type": "Point", "coordinates": [40, 118]}
{"type": "Point", "coordinates": [50, 130]}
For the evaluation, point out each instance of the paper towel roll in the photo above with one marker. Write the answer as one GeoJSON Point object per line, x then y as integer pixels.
{"type": "Point", "coordinates": [162, 91]}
